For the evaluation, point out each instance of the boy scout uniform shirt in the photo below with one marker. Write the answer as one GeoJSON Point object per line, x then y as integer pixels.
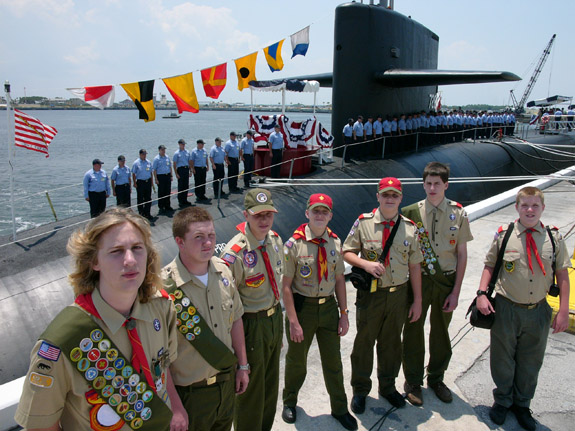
{"type": "Point", "coordinates": [366, 235]}
{"type": "Point", "coordinates": [59, 394]}
{"type": "Point", "coordinates": [515, 281]}
{"type": "Point", "coordinates": [219, 305]}
{"type": "Point", "coordinates": [450, 228]}
{"type": "Point", "coordinates": [301, 264]}
{"type": "Point", "coordinates": [249, 270]}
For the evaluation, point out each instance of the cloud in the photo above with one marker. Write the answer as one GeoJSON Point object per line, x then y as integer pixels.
{"type": "Point", "coordinates": [463, 55]}
{"type": "Point", "coordinates": [46, 9]}
{"type": "Point", "coordinates": [83, 55]}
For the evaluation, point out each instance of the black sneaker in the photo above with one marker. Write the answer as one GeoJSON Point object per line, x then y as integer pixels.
{"type": "Point", "coordinates": [524, 417]}
{"type": "Point", "coordinates": [395, 399]}
{"type": "Point", "coordinates": [358, 404]}
{"type": "Point", "coordinates": [498, 413]}
{"type": "Point", "coordinates": [347, 421]}
{"type": "Point", "coordinates": [289, 415]}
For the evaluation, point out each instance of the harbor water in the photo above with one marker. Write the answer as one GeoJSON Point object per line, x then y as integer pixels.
{"type": "Point", "coordinates": [84, 135]}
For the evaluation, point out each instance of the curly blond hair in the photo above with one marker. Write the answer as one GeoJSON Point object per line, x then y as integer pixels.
{"type": "Point", "coordinates": [83, 248]}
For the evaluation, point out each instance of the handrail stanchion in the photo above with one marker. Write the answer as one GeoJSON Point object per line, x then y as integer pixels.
{"type": "Point", "coordinates": [51, 206]}
{"type": "Point", "coordinates": [343, 156]}
{"type": "Point", "coordinates": [383, 148]}
{"type": "Point", "coordinates": [220, 185]}
{"type": "Point", "coordinates": [416, 142]}
{"type": "Point", "coordinates": [291, 169]}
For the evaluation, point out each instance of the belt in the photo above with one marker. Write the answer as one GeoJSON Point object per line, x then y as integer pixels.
{"type": "Point", "coordinates": [392, 289]}
{"type": "Point", "coordinates": [121, 185]}
{"type": "Point", "coordinates": [221, 377]}
{"type": "Point", "coordinates": [233, 158]}
{"type": "Point", "coordinates": [517, 304]}
{"type": "Point", "coordinates": [264, 313]}
{"type": "Point", "coordinates": [319, 300]}
{"type": "Point", "coordinates": [183, 167]}
{"type": "Point", "coordinates": [144, 181]}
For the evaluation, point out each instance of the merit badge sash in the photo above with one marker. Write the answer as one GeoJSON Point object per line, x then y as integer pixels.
{"type": "Point", "coordinates": [430, 261]}
{"type": "Point", "coordinates": [120, 396]}
{"type": "Point", "coordinates": [198, 333]}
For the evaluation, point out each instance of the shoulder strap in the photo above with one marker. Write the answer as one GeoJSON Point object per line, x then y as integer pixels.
{"type": "Point", "coordinates": [198, 333]}
{"type": "Point", "coordinates": [390, 240]}
{"type": "Point", "coordinates": [84, 336]}
{"type": "Point", "coordinates": [499, 261]}
{"type": "Point", "coordinates": [554, 260]}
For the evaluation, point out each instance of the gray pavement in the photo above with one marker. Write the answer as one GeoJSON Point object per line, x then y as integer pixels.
{"type": "Point", "coordinates": [468, 375]}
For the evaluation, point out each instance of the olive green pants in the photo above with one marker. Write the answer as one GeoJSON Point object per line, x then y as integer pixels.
{"type": "Point", "coordinates": [210, 408]}
{"type": "Point", "coordinates": [518, 342]}
{"type": "Point", "coordinates": [256, 407]}
{"type": "Point", "coordinates": [380, 318]}
{"type": "Point", "coordinates": [433, 296]}
{"type": "Point", "coordinates": [322, 321]}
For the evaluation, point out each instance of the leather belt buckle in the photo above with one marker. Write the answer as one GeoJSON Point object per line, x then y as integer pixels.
{"type": "Point", "coordinates": [211, 380]}
{"type": "Point", "coordinates": [321, 301]}
{"type": "Point", "coordinates": [271, 311]}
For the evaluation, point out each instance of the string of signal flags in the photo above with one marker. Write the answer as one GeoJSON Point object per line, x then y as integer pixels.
{"type": "Point", "coordinates": [181, 87]}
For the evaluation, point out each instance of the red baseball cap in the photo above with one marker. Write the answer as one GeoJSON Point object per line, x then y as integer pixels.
{"type": "Point", "coordinates": [389, 183]}
{"type": "Point", "coordinates": [319, 200]}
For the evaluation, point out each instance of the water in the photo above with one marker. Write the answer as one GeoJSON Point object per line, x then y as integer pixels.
{"type": "Point", "coordinates": [86, 135]}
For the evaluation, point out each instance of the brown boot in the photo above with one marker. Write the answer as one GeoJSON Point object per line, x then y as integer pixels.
{"type": "Point", "coordinates": [441, 391]}
{"type": "Point", "coordinates": [413, 394]}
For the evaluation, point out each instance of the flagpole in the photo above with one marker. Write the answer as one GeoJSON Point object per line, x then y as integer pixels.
{"type": "Point", "coordinates": [10, 143]}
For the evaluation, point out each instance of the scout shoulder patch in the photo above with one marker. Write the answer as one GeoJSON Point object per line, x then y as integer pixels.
{"type": "Point", "coordinates": [255, 281]}
{"type": "Point", "coordinates": [236, 248]}
{"type": "Point", "coordinates": [42, 380]}
{"type": "Point", "coordinates": [48, 351]}
{"type": "Point", "coordinates": [229, 258]}
{"type": "Point", "coordinates": [457, 204]}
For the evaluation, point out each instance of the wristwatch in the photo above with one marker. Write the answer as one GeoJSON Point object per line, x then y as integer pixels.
{"type": "Point", "coordinates": [481, 292]}
{"type": "Point", "coordinates": [346, 312]}
{"type": "Point", "coordinates": [244, 367]}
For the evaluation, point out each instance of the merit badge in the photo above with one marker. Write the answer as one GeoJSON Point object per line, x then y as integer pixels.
{"type": "Point", "coordinates": [185, 301]}
{"type": "Point", "coordinates": [419, 224]}
{"type": "Point", "coordinates": [421, 230]}
{"type": "Point", "coordinates": [112, 355]}
{"type": "Point", "coordinates": [123, 407]}
{"type": "Point", "coordinates": [225, 281]}
{"type": "Point", "coordinates": [147, 396]}
{"type": "Point", "coordinates": [157, 325]}
{"type": "Point", "coordinates": [190, 324]}
{"type": "Point", "coordinates": [451, 217]}
{"type": "Point", "coordinates": [109, 373]}
{"type": "Point", "coordinates": [41, 380]}
{"type": "Point", "coordinates": [371, 256]}
{"type": "Point", "coordinates": [190, 336]}
{"type": "Point", "coordinates": [196, 319]}
{"type": "Point", "coordinates": [136, 423]}
{"type": "Point", "coordinates": [178, 294]}
{"type": "Point", "coordinates": [96, 335]}
{"type": "Point", "coordinates": [139, 406]}
{"type": "Point", "coordinates": [83, 365]}
{"type": "Point", "coordinates": [250, 258]}
{"type": "Point", "coordinates": [115, 400]}
{"type": "Point", "coordinates": [119, 363]}
{"type": "Point", "coordinates": [178, 308]}
{"type": "Point", "coordinates": [185, 315]}
{"type": "Point", "coordinates": [229, 258]}
{"type": "Point", "coordinates": [134, 380]}
{"type": "Point", "coordinates": [261, 198]}
{"type": "Point", "coordinates": [127, 372]}
{"type": "Point", "coordinates": [509, 266]}
{"type": "Point", "coordinates": [183, 329]}
{"type": "Point", "coordinates": [102, 364]}
{"type": "Point", "coordinates": [94, 355]}
{"type": "Point", "coordinates": [125, 390]}
{"type": "Point", "coordinates": [141, 388]}
{"type": "Point", "coordinates": [305, 271]}
{"type": "Point", "coordinates": [86, 344]}
{"type": "Point", "coordinates": [76, 354]}
{"type": "Point", "coordinates": [99, 383]}
{"type": "Point", "coordinates": [104, 345]}
{"type": "Point", "coordinates": [48, 351]}
{"type": "Point", "coordinates": [91, 374]}
{"type": "Point", "coordinates": [197, 330]}
{"type": "Point", "coordinates": [146, 413]}
{"type": "Point", "coordinates": [192, 310]}
{"type": "Point", "coordinates": [107, 391]}
{"type": "Point", "coordinates": [132, 397]}
{"type": "Point", "coordinates": [118, 382]}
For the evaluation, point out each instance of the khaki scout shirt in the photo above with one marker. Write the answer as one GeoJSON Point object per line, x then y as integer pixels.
{"type": "Point", "coordinates": [366, 235]}
{"type": "Point", "coordinates": [451, 228]}
{"type": "Point", "coordinates": [248, 268]}
{"type": "Point", "coordinates": [59, 394]}
{"type": "Point", "coordinates": [219, 305]}
{"type": "Point", "coordinates": [301, 264]}
{"type": "Point", "coordinates": [516, 282]}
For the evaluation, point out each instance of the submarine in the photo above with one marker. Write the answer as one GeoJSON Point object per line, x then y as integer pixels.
{"type": "Point", "coordinates": [33, 271]}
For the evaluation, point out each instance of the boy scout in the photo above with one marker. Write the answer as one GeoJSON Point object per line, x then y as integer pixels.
{"type": "Point", "coordinates": [522, 315]}
{"type": "Point", "coordinates": [256, 260]}
{"type": "Point", "coordinates": [313, 272]}
{"type": "Point", "coordinates": [211, 331]}
{"type": "Point", "coordinates": [381, 310]}
{"type": "Point", "coordinates": [103, 362]}
{"type": "Point", "coordinates": [443, 235]}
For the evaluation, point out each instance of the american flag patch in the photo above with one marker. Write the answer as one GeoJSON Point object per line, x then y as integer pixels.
{"type": "Point", "coordinates": [229, 258]}
{"type": "Point", "coordinates": [47, 351]}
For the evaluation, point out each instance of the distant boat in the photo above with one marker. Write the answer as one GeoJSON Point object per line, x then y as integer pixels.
{"type": "Point", "coordinates": [172, 115]}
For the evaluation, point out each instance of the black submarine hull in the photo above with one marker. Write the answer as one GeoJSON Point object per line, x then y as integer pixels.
{"type": "Point", "coordinates": [34, 287]}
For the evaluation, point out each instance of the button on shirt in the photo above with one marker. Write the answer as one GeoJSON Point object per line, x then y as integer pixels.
{"type": "Point", "coordinates": [516, 281]}
{"type": "Point", "coordinates": [366, 236]}
{"type": "Point", "coordinates": [218, 154]}
{"type": "Point", "coordinates": [181, 158]}
{"type": "Point", "coordinates": [161, 165]}
{"type": "Point", "coordinates": [96, 181]}
{"type": "Point", "coordinates": [247, 145]}
{"type": "Point", "coordinates": [232, 149]}
{"type": "Point", "coordinates": [121, 175]}
{"type": "Point", "coordinates": [277, 140]}
{"type": "Point", "coordinates": [199, 157]}
{"type": "Point", "coordinates": [301, 264]}
{"type": "Point", "coordinates": [142, 169]}
{"type": "Point", "coordinates": [219, 305]}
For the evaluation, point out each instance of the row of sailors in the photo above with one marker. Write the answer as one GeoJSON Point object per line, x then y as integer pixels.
{"type": "Point", "coordinates": [424, 122]}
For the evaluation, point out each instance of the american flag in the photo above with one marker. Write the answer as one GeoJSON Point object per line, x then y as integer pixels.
{"type": "Point", "coordinates": [31, 133]}
{"type": "Point", "coordinates": [47, 351]}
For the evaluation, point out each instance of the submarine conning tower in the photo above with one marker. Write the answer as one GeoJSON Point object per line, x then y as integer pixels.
{"type": "Point", "coordinates": [370, 39]}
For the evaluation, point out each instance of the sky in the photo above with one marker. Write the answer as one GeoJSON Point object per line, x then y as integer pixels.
{"type": "Point", "coordinates": [49, 45]}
